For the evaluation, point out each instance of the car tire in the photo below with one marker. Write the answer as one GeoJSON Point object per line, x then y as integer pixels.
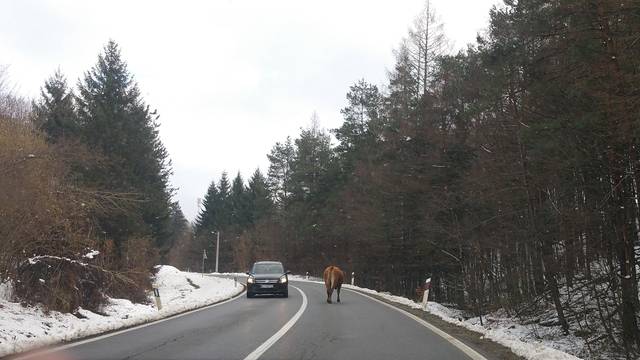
{"type": "Point", "coordinates": [285, 294]}
{"type": "Point", "coordinates": [249, 295]}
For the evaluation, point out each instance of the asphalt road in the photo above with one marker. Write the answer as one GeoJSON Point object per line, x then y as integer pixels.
{"type": "Point", "coordinates": [357, 328]}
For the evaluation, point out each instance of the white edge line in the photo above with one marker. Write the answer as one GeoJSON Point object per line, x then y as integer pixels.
{"type": "Point", "coordinates": [455, 342]}
{"type": "Point", "coordinates": [275, 337]}
{"type": "Point", "coordinates": [118, 332]}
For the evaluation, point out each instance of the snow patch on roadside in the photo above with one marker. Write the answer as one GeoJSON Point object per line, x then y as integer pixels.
{"type": "Point", "coordinates": [303, 278]}
{"type": "Point", "coordinates": [529, 341]}
{"type": "Point", "coordinates": [6, 290]}
{"type": "Point", "coordinates": [237, 274]}
{"type": "Point", "coordinates": [23, 328]}
{"type": "Point", "coordinates": [91, 254]}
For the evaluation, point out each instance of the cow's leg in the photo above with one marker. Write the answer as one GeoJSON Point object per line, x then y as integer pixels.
{"type": "Point", "coordinates": [329, 292]}
{"type": "Point", "coordinates": [338, 291]}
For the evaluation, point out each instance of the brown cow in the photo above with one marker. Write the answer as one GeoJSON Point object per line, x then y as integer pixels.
{"type": "Point", "coordinates": [333, 278]}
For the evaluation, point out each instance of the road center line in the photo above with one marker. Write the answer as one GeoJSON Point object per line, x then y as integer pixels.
{"type": "Point", "coordinates": [275, 337]}
{"type": "Point", "coordinates": [455, 342]}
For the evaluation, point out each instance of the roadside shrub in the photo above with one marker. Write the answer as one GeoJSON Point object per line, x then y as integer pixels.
{"type": "Point", "coordinates": [60, 284]}
{"type": "Point", "coordinates": [46, 226]}
{"type": "Point", "coordinates": [40, 213]}
{"type": "Point", "coordinates": [63, 284]}
{"type": "Point", "coordinates": [138, 258]}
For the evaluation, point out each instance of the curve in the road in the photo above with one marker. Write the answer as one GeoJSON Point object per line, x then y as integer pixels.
{"type": "Point", "coordinates": [300, 327]}
{"type": "Point", "coordinates": [272, 340]}
{"type": "Point", "coordinates": [358, 328]}
{"type": "Point", "coordinates": [455, 342]}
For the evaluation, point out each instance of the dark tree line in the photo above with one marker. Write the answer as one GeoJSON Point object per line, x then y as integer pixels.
{"type": "Point", "coordinates": [228, 209]}
{"type": "Point", "coordinates": [508, 172]}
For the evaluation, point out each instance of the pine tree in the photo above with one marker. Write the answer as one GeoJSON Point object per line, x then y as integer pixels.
{"type": "Point", "coordinates": [402, 101]}
{"type": "Point", "coordinates": [223, 186]}
{"type": "Point", "coordinates": [208, 217]}
{"type": "Point", "coordinates": [239, 204]}
{"type": "Point", "coordinates": [209, 222]}
{"type": "Point", "coordinates": [260, 203]}
{"type": "Point", "coordinates": [361, 129]}
{"type": "Point", "coordinates": [281, 160]}
{"type": "Point", "coordinates": [313, 161]}
{"type": "Point", "coordinates": [361, 117]}
{"type": "Point", "coordinates": [224, 191]}
{"type": "Point", "coordinates": [116, 122]}
{"type": "Point", "coordinates": [229, 233]}
{"type": "Point", "coordinates": [55, 112]}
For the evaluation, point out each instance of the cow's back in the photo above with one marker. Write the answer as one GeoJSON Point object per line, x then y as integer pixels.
{"type": "Point", "coordinates": [333, 277]}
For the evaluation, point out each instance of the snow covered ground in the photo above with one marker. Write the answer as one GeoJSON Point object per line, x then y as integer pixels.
{"type": "Point", "coordinates": [23, 328]}
{"type": "Point", "coordinates": [532, 342]}
{"type": "Point", "coordinates": [234, 274]}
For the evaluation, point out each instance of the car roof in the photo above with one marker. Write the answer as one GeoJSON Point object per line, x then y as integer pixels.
{"type": "Point", "coordinates": [268, 262]}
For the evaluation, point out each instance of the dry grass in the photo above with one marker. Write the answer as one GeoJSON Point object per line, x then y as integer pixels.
{"type": "Point", "coordinates": [45, 215]}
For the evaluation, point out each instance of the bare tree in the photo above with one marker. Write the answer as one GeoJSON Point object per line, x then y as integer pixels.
{"type": "Point", "coordinates": [12, 106]}
{"type": "Point", "coordinates": [427, 42]}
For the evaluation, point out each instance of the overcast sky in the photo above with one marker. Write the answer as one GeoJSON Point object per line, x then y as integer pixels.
{"type": "Point", "coordinates": [228, 77]}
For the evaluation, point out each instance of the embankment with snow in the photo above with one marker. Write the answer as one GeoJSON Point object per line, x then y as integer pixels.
{"type": "Point", "coordinates": [27, 327]}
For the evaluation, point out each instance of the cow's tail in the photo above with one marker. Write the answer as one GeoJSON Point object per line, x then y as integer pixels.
{"type": "Point", "coordinates": [333, 278]}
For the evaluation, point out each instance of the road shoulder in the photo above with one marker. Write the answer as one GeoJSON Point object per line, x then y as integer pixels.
{"type": "Point", "coordinates": [118, 323]}
{"type": "Point", "coordinates": [476, 341]}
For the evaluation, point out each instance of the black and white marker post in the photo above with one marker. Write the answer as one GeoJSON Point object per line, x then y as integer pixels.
{"type": "Point", "coordinates": [425, 295]}
{"type": "Point", "coordinates": [156, 295]}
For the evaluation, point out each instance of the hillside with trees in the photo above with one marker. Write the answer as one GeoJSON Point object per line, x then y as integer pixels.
{"type": "Point", "coordinates": [506, 172]}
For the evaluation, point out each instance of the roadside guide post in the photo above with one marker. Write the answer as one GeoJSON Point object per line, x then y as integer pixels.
{"type": "Point", "coordinates": [217, 249]}
{"type": "Point", "coordinates": [353, 276]}
{"type": "Point", "coordinates": [425, 295]}
{"type": "Point", "coordinates": [235, 281]}
{"type": "Point", "coordinates": [204, 257]}
{"type": "Point", "coordinates": [156, 295]}
{"type": "Point", "coordinates": [307, 276]}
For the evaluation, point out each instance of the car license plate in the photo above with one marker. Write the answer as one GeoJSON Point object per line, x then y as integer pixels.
{"type": "Point", "coordinates": [267, 286]}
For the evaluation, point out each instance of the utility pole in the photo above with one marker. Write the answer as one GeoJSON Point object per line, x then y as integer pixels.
{"type": "Point", "coordinates": [217, 249]}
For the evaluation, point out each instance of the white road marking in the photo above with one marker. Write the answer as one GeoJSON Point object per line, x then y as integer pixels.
{"type": "Point", "coordinates": [455, 342]}
{"type": "Point", "coordinates": [63, 347]}
{"type": "Point", "coordinates": [275, 337]}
